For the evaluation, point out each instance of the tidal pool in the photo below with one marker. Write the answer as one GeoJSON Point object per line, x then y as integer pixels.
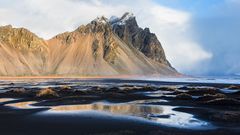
{"type": "Point", "coordinates": [157, 114]}
{"type": "Point", "coordinates": [228, 91]}
{"type": "Point", "coordinates": [3, 100]}
{"type": "Point", "coordinates": [164, 115]}
{"type": "Point", "coordinates": [22, 105]}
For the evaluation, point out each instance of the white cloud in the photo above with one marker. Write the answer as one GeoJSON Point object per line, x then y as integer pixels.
{"type": "Point", "coordinates": [233, 1]}
{"type": "Point", "coordinates": [50, 17]}
{"type": "Point", "coordinates": [173, 29]}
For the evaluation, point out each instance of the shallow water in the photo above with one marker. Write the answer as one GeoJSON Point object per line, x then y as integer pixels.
{"type": "Point", "coordinates": [3, 100]}
{"type": "Point", "coordinates": [229, 91]}
{"type": "Point", "coordinates": [202, 79]}
{"type": "Point", "coordinates": [154, 111]}
{"type": "Point", "coordinates": [22, 105]}
{"type": "Point", "coordinates": [158, 114]}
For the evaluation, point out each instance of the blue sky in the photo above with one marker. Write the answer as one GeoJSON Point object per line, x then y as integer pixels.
{"type": "Point", "coordinates": [216, 26]}
{"type": "Point", "coordinates": [200, 37]}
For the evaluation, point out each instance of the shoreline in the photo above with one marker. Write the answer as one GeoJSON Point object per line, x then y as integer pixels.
{"type": "Point", "coordinates": [131, 78]}
{"type": "Point", "coordinates": [60, 109]}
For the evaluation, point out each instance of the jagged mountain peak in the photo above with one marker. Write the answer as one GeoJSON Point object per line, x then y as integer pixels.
{"type": "Point", "coordinates": [127, 16]}
{"type": "Point", "coordinates": [99, 24]}
{"type": "Point", "coordinates": [127, 29]}
{"type": "Point", "coordinates": [101, 19]}
{"type": "Point", "coordinates": [122, 20]}
{"type": "Point", "coordinates": [115, 46]}
{"type": "Point", "coordinates": [103, 22]}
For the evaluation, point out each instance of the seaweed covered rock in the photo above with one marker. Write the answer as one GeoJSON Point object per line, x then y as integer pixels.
{"type": "Point", "coordinates": [47, 93]}
{"type": "Point", "coordinates": [65, 88]}
{"type": "Point", "coordinates": [168, 88]}
{"type": "Point", "coordinates": [234, 87]}
{"type": "Point", "coordinates": [195, 91]}
{"type": "Point", "coordinates": [19, 92]}
{"type": "Point", "coordinates": [184, 96]}
{"type": "Point", "coordinates": [207, 97]}
{"type": "Point", "coordinates": [222, 102]}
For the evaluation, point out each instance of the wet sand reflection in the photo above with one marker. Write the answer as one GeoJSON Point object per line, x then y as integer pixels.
{"type": "Point", "coordinates": [121, 109]}
{"type": "Point", "coordinates": [2, 100]}
{"type": "Point", "coordinates": [23, 105]}
{"type": "Point", "coordinates": [158, 114]}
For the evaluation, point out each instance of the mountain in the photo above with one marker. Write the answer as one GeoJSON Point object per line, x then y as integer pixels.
{"type": "Point", "coordinates": [115, 46]}
{"type": "Point", "coordinates": [21, 52]}
{"type": "Point", "coordinates": [143, 40]}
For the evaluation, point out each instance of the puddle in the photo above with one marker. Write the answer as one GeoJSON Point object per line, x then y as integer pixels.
{"type": "Point", "coordinates": [158, 93]}
{"type": "Point", "coordinates": [2, 100]}
{"type": "Point", "coordinates": [157, 114]}
{"type": "Point", "coordinates": [180, 120]}
{"type": "Point", "coordinates": [23, 105]}
{"type": "Point", "coordinates": [149, 101]}
{"type": "Point", "coordinates": [196, 97]}
{"type": "Point", "coordinates": [228, 91]}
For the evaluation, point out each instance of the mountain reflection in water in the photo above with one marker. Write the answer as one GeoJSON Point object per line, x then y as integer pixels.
{"type": "Point", "coordinates": [155, 113]}
{"type": "Point", "coordinates": [2, 100]}
{"type": "Point", "coordinates": [158, 114]}
{"type": "Point", "coordinates": [23, 105]}
{"type": "Point", "coordinates": [122, 109]}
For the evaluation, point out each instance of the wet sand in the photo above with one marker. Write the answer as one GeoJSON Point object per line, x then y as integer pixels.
{"type": "Point", "coordinates": [23, 123]}
{"type": "Point", "coordinates": [113, 106]}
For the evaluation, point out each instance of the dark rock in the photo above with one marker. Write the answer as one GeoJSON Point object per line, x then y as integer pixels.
{"type": "Point", "coordinates": [149, 88]}
{"type": "Point", "coordinates": [184, 88]}
{"type": "Point", "coordinates": [65, 88]}
{"type": "Point", "coordinates": [226, 116]}
{"type": "Point", "coordinates": [201, 91]}
{"type": "Point", "coordinates": [213, 115]}
{"type": "Point", "coordinates": [168, 88]}
{"type": "Point", "coordinates": [128, 85]}
{"type": "Point", "coordinates": [97, 88]}
{"type": "Point", "coordinates": [207, 97]}
{"type": "Point", "coordinates": [234, 87]}
{"type": "Point", "coordinates": [80, 92]}
{"type": "Point", "coordinates": [47, 93]}
{"type": "Point", "coordinates": [223, 101]}
{"type": "Point", "coordinates": [65, 91]}
{"type": "Point", "coordinates": [113, 89]}
{"type": "Point", "coordinates": [140, 89]}
{"type": "Point", "coordinates": [184, 96]}
{"type": "Point", "coordinates": [19, 92]}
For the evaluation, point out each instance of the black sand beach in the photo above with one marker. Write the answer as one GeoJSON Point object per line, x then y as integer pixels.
{"type": "Point", "coordinates": [118, 106]}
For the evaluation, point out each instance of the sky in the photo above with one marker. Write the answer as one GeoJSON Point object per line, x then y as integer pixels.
{"type": "Point", "coordinates": [200, 37]}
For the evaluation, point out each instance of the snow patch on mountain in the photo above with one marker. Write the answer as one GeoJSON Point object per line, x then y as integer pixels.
{"type": "Point", "coordinates": [122, 20]}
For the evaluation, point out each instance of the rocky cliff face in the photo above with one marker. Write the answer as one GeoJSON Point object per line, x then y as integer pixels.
{"type": "Point", "coordinates": [102, 47]}
{"type": "Point", "coordinates": [21, 39]}
{"type": "Point", "coordinates": [21, 52]}
{"type": "Point", "coordinates": [127, 29]}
